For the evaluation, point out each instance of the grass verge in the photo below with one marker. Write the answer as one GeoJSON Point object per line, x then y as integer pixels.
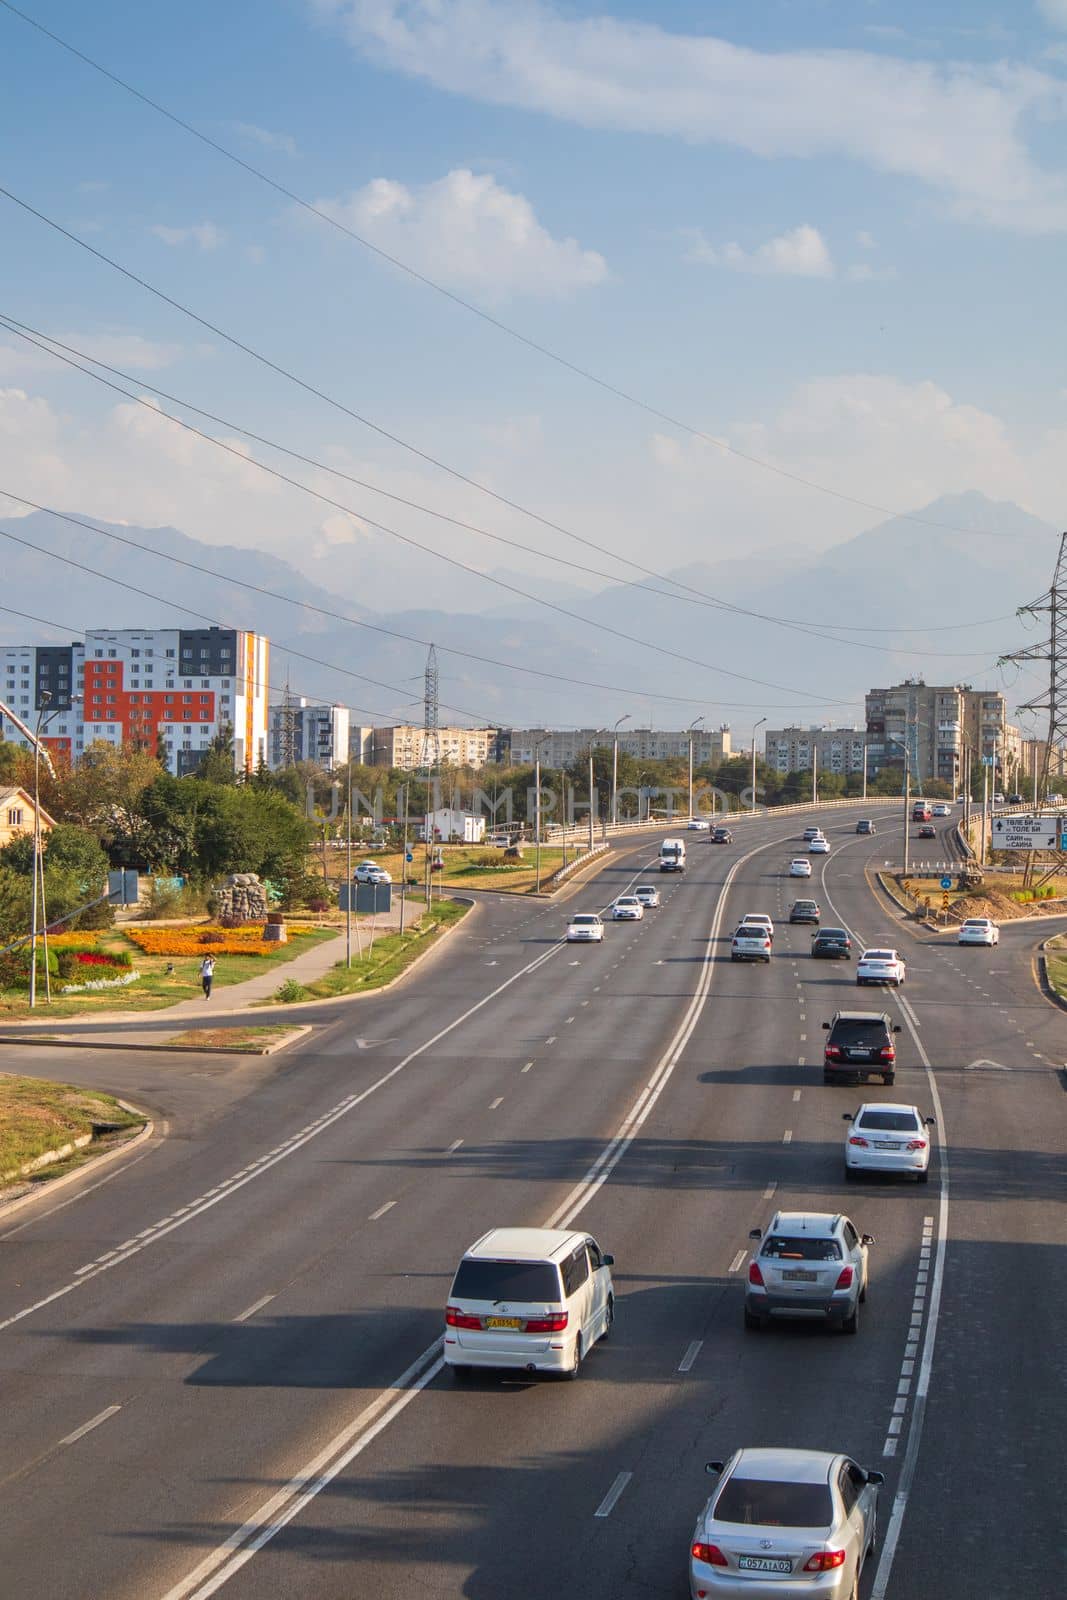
{"type": "Point", "coordinates": [476, 866]}
{"type": "Point", "coordinates": [392, 953]}
{"type": "Point", "coordinates": [1056, 967]}
{"type": "Point", "coordinates": [157, 987]}
{"type": "Point", "coordinates": [37, 1116]}
{"type": "Point", "coordinates": [248, 1039]}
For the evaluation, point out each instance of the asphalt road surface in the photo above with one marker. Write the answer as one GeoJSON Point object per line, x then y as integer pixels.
{"type": "Point", "coordinates": [219, 1360]}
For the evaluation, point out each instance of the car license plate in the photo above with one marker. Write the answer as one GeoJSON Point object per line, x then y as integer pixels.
{"type": "Point", "coordinates": [886, 1144]}
{"type": "Point", "coordinates": [801, 1277]}
{"type": "Point", "coordinates": [503, 1322]}
{"type": "Point", "coordinates": [764, 1564]}
{"type": "Point", "coordinates": [860, 1055]}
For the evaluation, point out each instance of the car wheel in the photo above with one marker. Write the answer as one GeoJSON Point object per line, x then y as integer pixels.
{"type": "Point", "coordinates": [609, 1318]}
{"type": "Point", "coordinates": [753, 1322]}
{"type": "Point", "coordinates": [863, 1290]}
{"type": "Point", "coordinates": [852, 1324]}
{"type": "Point", "coordinates": [851, 1174]}
{"type": "Point", "coordinates": [827, 1077]}
{"type": "Point", "coordinates": [460, 1374]}
{"type": "Point", "coordinates": [889, 1078]}
{"type": "Point", "coordinates": [924, 1175]}
{"type": "Point", "coordinates": [854, 1592]}
{"type": "Point", "coordinates": [576, 1364]}
{"type": "Point", "coordinates": [734, 958]}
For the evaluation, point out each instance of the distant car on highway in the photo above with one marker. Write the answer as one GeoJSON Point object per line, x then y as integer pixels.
{"type": "Point", "coordinates": [751, 942]}
{"type": "Point", "coordinates": [698, 825]}
{"type": "Point", "coordinates": [865, 825]}
{"type": "Point", "coordinates": [721, 836]}
{"type": "Point", "coordinates": [927, 831]}
{"type": "Point", "coordinates": [627, 908]}
{"type": "Point", "coordinates": [832, 944]}
{"type": "Point", "coordinates": [921, 811]}
{"type": "Point", "coordinates": [819, 847]}
{"type": "Point", "coordinates": [1016, 800]}
{"type": "Point", "coordinates": [978, 930]}
{"type": "Point", "coordinates": [942, 809]}
{"type": "Point", "coordinates": [762, 918]}
{"type": "Point", "coordinates": [887, 1138]}
{"type": "Point", "coordinates": [536, 1299]}
{"type": "Point", "coordinates": [998, 799]}
{"type": "Point", "coordinates": [859, 1044]}
{"type": "Point", "coordinates": [648, 895]}
{"type": "Point", "coordinates": [811, 833]}
{"type": "Point", "coordinates": [371, 872]}
{"type": "Point", "coordinates": [585, 927]}
{"type": "Point", "coordinates": [881, 966]}
{"type": "Point", "coordinates": [788, 1524]}
{"type": "Point", "coordinates": [799, 868]}
{"type": "Point", "coordinates": [804, 911]}
{"type": "Point", "coordinates": [809, 1264]}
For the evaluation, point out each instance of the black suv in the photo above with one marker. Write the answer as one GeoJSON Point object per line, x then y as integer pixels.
{"type": "Point", "coordinates": [832, 944]}
{"type": "Point", "coordinates": [804, 911]}
{"type": "Point", "coordinates": [859, 1044]}
{"type": "Point", "coordinates": [721, 836]}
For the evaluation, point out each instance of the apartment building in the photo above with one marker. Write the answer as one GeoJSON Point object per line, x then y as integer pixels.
{"type": "Point", "coordinates": [938, 725]}
{"type": "Point", "coordinates": [167, 690]}
{"type": "Point", "coordinates": [561, 747]}
{"type": "Point", "coordinates": [830, 749]}
{"type": "Point", "coordinates": [300, 730]}
{"type": "Point", "coordinates": [402, 746]}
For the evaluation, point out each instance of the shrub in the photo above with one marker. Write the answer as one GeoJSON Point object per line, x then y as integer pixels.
{"type": "Point", "coordinates": [290, 990]}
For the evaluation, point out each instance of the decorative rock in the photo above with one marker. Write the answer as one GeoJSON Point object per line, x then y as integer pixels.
{"type": "Point", "coordinates": [242, 898]}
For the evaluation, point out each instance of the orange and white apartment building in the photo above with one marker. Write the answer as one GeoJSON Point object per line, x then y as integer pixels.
{"type": "Point", "coordinates": [165, 689]}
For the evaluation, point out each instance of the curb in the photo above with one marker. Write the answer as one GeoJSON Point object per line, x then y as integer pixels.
{"type": "Point", "coordinates": [49, 1186]}
{"type": "Point", "coordinates": [299, 1031]}
{"type": "Point", "coordinates": [1039, 968]}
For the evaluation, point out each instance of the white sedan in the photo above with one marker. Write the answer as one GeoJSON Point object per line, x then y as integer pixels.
{"type": "Point", "coordinates": [627, 908]}
{"type": "Point", "coordinates": [942, 810]}
{"type": "Point", "coordinates": [698, 825]}
{"type": "Point", "coordinates": [819, 847]}
{"type": "Point", "coordinates": [887, 1138]}
{"type": "Point", "coordinates": [978, 930]}
{"type": "Point", "coordinates": [800, 868]}
{"type": "Point", "coordinates": [881, 966]}
{"type": "Point", "coordinates": [648, 895]}
{"type": "Point", "coordinates": [583, 927]}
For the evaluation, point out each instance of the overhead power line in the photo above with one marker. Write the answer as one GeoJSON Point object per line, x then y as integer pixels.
{"type": "Point", "coordinates": [65, 353]}
{"type": "Point", "coordinates": [470, 306]}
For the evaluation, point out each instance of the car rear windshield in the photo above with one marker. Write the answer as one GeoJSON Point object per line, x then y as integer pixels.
{"type": "Point", "coordinates": [976, 922]}
{"type": "Point", "coordinates": [878, 955]}
{"type": "Point", "coordinates": [753, 930]}
{"type": "Point", "coordinates": [767, 1504]}
{"type": "Point", "coordinates": [507, 1281]}
{"type": "Point", "coordinates": [889, 1121]}
{"type": "Point", "coordinates": [585, 922]}
{"type": "Point", "coordinates": [833, 936]}
{"type": "Point", "coordinates": [784, 1247]}
{"type": "Point", "coordinates": [846, 1032]}
{"type": "Point", "coordinates": [804, 905]}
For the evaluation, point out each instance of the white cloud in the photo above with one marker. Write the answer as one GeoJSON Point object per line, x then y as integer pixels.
{"type": "Point", "coordinates": [865, 272]}
{"type": "Point", "coordinates": [959, 128]}
{"type": "Point", "coordinates": [800, 253]}
{"type": "Point", "coordinates": [865, 240]}
{"type": "Point", "coordinates": [467, 229]}
{"type": "Point", "coordinates": [263, 136]}
{"type": "Point", "coordinates": [205, 235]}
{"type": "Point", "coordinates": [1054, 11]}
{"type": "Point", "coordinates": [128, 351]}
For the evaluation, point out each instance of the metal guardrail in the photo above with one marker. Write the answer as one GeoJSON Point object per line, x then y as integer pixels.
{"type": "Point", "coordinates": [579, 834]}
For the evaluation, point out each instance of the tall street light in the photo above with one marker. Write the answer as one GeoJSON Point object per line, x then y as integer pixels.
{"type": "Point", "coordinates": [892, 739]}
{"type": "Point", "coordinates": [615, 767]}
{"type": "Point", "coordinates": [38, 865]}
{"type": "Point", "coordinates": [759, 724]}
{"type": "Point", "coordinates": [641, 776]}
{"type": "Point", "coordinates": [592, 746]}
{"type": "Point", "coordinates": [537, 810]}
{"type": "Point", "coordinates": [689, 730]}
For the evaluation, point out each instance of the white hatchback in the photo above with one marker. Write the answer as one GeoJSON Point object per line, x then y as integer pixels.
{"type": "Point", "coordinates": [881, 966]}
{"type": "Point", "coordinates": [799, 868]}
{"type": "Point", "coordinates": [585, 927]}
{"type": "Point", "coordinates": [627, 908]}
{"type": "Point", "coordinates": [978, 930]}
{"type": "Point", "coordinates": [887, 1138]}
{"type": "Point", "coordinates": [536, 1299]}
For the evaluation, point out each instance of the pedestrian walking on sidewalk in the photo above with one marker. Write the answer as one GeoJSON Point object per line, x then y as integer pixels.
{"type": "Point", "coordinates": [207, 972]}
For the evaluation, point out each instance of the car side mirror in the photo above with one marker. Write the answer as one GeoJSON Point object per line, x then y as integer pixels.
{"type": "Point", "coordinates": [876, 1477]}
{"type": "Point", "coordinates": [848, 1116]}
{"type": "Point", "coordinates": [755, 1233]}
{"type": "Point", "coordinates": [607, 1261]}
{"type": "Point", "coordinates": [896, 1027]}
{"type": "Point", "coordinates": [826, 1025]}
{"type": "Point", "coordinates": [868, 1238]}
{"type": "Point", "coordinates": [931, 1122]}
{"type": "Point", "coordinates": [714, 1466]}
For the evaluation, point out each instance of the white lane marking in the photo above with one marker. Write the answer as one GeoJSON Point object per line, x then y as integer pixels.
{"type": "Point", "coordinates": [527, 1067]}
{"type": "Point", "coordinates": [499, 1101]}
{"type": "Point", "coordinates": [738, 1259]}
{"type": "Point", "coordinates": [257, 1305]}
{"type": "Point", "coordinates": [220, 1564]}
{"type": "Point", "coordinates": [376, 1216]}
{"type": "Point", "coordinates": [686, 1363]}
{"type": "Point", "coordinates": [768, 1193]}
{"type": "Point", "coordinates": [551, 1039]}
{"type": "Point", "coordinates": [453, 1147]}
{"type": "Point", "coordinates": [787, 1136]}
{"type": "Point", "coordinates": [214, 1197]}
{"type": "Point", "coordinates": [87, 1427]}
{"type": "Point", "coordinates": [610, 1500]}
{"type": "Point", "coordinates": [796, 1094]}
{"type": "Point", "coordinates": [566, 1020]}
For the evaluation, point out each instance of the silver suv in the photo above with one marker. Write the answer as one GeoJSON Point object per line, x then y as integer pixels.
{"type": "Point", "coordinates": [810, 1264]}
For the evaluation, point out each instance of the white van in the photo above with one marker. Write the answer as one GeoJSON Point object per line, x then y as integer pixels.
{"type": "Point", "coordinates": [536, 1299]}
{"type": "Point", "coordinates": [672, 855]}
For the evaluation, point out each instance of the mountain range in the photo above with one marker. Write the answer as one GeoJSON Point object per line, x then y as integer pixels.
{"type": "Point", "coordinates": [799, 637]}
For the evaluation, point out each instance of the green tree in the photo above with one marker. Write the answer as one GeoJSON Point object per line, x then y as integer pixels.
{"type": "Point", "coordinates": [216, 764]}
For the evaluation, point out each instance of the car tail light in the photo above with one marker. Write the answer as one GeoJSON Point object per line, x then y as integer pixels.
{"type": "Point", "coordinates": [710, 1554]}
{"type": "Point", "coordinates": [460, 1319]}
{"type": "Point", "coordinates": [917, 1144]}
{"type": "Point", "coordinates": [855, 1139]}
{"type": "Point", "coordinates": [844, 1281]}
{"type": "Point", "coordinates": [825, 1561]}
{"type": "Point", "coordinates": [833, 1052]}
{"type": "Point", "coordinates": [887, 1053]}
{"type": "Point", "coordinates": [755, 1275]}
{"type": "Point", "coordinates": [555, 1323]}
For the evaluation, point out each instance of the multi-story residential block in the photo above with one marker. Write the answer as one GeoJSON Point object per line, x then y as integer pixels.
{"type": "Point", "coordinates": [561, 747]}
{"type": "Point", "coordinates": [299, 730]}
{"type": "Point", "coordinates": [939, 725]}
{"type": "Point", "coordinates": [168, 690]}
{"type": "Point", "coordinates": [402, 746]}
{"type": "Point", "coordinates": [831, 749]}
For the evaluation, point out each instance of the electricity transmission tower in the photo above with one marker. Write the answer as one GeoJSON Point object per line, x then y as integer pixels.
{"type": "Point", "coordinates": [1053, 604]}
{"type": "Point", "coordinates": [287, 730]}
{"type": "Point", "coordinates": [431, 715]}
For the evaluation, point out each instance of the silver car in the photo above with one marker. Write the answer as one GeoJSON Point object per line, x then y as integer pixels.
{"type": "Point", "coordinates": [785, 1525]}
{"type": "Point", "coordinates": [810, 1265]}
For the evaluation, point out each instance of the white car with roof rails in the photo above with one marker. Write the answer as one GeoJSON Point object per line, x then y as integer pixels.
{"type": "Point", "coordinates": [881, 966]}
{"type": "Point", "coordinates": [883, 1137]}
{"type": "Point", "coordinates": [811, 1266]}
{"type": "Point", "coordinates": [978, 930]}
{"type": "Point", "coordinates": [799, 868]}
{"type": "Point", "coordinates": [648, 895]}
{"type": "Point", "coordinates": [585, 927]}
{"type": "Point", "coordinates": [752, 941]}
{"type": "Point", "coordinates": [535, 1299]}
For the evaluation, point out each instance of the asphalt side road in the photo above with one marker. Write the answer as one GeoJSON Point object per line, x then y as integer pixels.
{"type": "Point", "coordinates": [217, 1365]}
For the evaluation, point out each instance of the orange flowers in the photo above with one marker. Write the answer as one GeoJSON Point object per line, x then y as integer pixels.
{"type": "Point", "coordinates": [189, 941]}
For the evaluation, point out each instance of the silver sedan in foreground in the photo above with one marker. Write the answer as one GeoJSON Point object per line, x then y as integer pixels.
{"type": "Point", "coordinates": [785, 1524]}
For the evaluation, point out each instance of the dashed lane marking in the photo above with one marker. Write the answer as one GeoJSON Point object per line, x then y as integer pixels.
{"type": "Point", "coordinates": [376, 1216]}
{"type": "Point", "coordinates": [693, 1350]}
{"type": "Point", "coordinates": [257, 1305]}
{"type": "Point", "coordinates": [611, 1499]}
{"type": "Point", "coordinates": [87, 1427]}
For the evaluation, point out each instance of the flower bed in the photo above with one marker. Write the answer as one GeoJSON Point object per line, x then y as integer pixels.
{"type": "Point", "coordinates": [205, 940]}
{"type": "Point", "coordinates": [100, 983]}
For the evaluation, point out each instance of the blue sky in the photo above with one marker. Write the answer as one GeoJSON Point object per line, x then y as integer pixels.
{"type": "Point", "coordinates": [830, 232]}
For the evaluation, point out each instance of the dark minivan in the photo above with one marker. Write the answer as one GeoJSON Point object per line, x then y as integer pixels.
{"type": "Point", "coordinates": [859, 1045]}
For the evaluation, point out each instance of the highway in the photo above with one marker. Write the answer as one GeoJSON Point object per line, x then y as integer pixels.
{"type": "Point", "coordinates": [219, 1364]}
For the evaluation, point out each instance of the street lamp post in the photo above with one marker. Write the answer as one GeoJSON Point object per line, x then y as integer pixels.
{"type": "Point", "coordinates": [641, 776]}
{"type": "Point", "coordinates": [814, 772]}
{"type": "Point", "coordinates": [692, 725]}
{"type": "Point", "coordinates": [615, 768]}
{"type": "Point", "coordinates": [892, 739]}
{"type": "Point", "coordinates": [38, 866]}
{"type": "Point", "coordinates": [759, 724]}
{"type": "Point", "coordinates": [537, 812]}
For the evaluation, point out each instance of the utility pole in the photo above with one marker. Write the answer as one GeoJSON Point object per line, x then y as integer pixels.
{"type": "Point", "coordinates": [759, 724]}
{"type": "Point", "coordinates": [38, 864]}
{"type": "Point", "coordinates": [591, 797]}
{"type": "Point", "coordinates": [814, 772]}
{"type": "Point", "coordinates": [692, 725]}
{"type": "Point", "coordinates": [348, 876]}
{"type": "Point", "coordinates": [404, 861]}
{"type": "Point", "coordinates": [615, 769]}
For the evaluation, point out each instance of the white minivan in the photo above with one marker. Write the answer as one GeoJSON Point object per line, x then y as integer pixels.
{"type": "Point", "coordinates": [672, 855]}
{"type": "Point", "coordinates": [536, 1299]}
